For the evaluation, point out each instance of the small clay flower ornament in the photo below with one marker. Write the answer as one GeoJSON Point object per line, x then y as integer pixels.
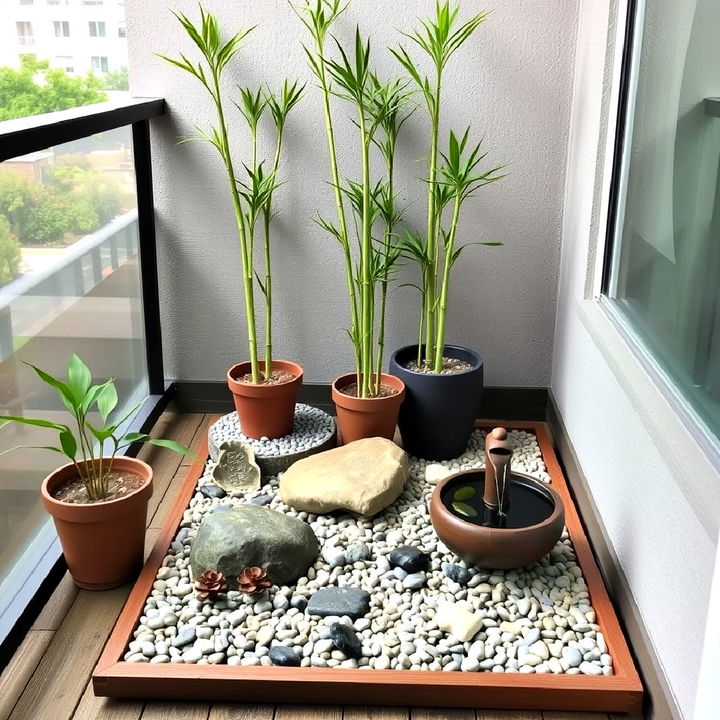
{"type": "Point", "coordinates": [253, 580]}
{"type": "Point", "coordinates": [210, 584]}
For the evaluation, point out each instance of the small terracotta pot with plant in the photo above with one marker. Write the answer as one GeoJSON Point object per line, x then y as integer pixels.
{"type": "Point", "coordinates": [368, 400]}
{"type": "Point", "coordinates": [264, 390]}
{"type": "Point", "coordinates": [98, 501]}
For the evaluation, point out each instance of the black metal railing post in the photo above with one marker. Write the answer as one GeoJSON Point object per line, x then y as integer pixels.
{"type": "Point", "coordinates": [148, 256]}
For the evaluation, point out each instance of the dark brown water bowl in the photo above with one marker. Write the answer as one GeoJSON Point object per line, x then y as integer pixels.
{"type": "Point", "coordinates": [533, 524]}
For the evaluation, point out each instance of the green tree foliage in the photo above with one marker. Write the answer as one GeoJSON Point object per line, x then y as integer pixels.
{"type": "Point", "coordinates": [117, 79]}
{"type": "Point", "coordinates": [75, 200]}
{"type": "Point", "coordinates": [18, 197]}
{"type": "Point", "coordinates": [36, 89]}
{"type": "Point", "coordinates": [10, 257]}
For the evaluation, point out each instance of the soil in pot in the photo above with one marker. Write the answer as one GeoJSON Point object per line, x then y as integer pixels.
{"type": "Point", "coordinates": [119, 485]}
{"type": "Point", "coordinates": [450, 366]}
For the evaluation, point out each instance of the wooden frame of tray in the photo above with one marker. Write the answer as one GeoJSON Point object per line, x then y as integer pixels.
{"type": "Point", "coordinates": [620, 692]}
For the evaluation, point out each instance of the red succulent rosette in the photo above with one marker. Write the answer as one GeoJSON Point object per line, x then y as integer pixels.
{"type": "Point", "coordinates": [210, 584]}
{"type": "Point", "coordinates": [253, 580]}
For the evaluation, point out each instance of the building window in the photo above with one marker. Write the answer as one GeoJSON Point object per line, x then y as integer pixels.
{"type": "Point", "coordinates": [97, 29]}
{"type": "Point", "coordinates": [52, 2]}
{"type": "Point", "coordinates": [91, 3]}
{"type": "Point", "coordinates": [663, 267]}
{"type": "Point", "coordinates": [26, 2]}
{"type": "Point", "coordinates": [122, 32]}
{"type": "Point", "coordinates": [65, 62]}
{"type": "Point", "coordinates": [99, 63]}
{"type": "Point", "coordinates": [24, 33]}
{"type": "Point", "coordinates": [62, 28]}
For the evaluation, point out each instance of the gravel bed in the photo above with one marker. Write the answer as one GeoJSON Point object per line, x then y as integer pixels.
{"type": "Point", "coordinates": [536, 619]}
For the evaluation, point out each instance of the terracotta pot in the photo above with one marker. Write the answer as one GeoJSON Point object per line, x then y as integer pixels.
{"type": "Point", "coordinates": [439, 412]}
{"type": "Point", "coordinates": [102, 542]}
{"type": "Point", "coordinates": [265, 410]}
{"type": "Point", "coordinates": [359, 418]}
{"type": "Point", "coordinates": [492, 547]}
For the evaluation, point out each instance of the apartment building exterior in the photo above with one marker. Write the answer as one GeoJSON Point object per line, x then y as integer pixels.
{"type": "Point", "coordinates": [75, 35]}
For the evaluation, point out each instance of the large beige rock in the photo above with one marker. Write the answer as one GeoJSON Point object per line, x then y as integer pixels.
{"type": "Point", "coordinates": [364, 476]}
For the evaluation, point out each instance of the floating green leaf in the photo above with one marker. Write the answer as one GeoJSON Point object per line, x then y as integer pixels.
{"type": "Point", "coordinates": [464, 493]}
{"type": "Point", "coordinates": [464, 509]}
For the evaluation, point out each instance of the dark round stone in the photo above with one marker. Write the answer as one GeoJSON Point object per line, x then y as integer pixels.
{"type": "Point", "coordinates": [410, 559]}
{"type": "Point", "coordinates": [346, 640]}
{"type": "Point", "coordinates": [212, 491]}
{"type": "Point", "coordinates": [260, 500]}
{"type": "Point", "coordinates": [281, 655]}
{"type": "Point", "coordinates": [299, 601]}
{"type": "Point", "coordinates": [457, 573]}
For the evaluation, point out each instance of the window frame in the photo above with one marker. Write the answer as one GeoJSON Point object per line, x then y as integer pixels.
{"type": "Point", "coordinates": [61, 25]}
{"type": "Point", "coordinates": [640, 373]}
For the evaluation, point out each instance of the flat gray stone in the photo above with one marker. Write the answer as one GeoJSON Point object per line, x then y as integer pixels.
{"type": "Point", "coordinates": [349, 601]}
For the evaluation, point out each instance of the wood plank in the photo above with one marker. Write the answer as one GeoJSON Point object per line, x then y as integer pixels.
{"type": "Point", "coordinates": [308, 712]}
{"type": "Point", "coordinates": [61, 676]}
{"type": "Point", "coordinates": [17, 674]}
{"type": "Point", "coordinates": [56, 608]}
{"type": "Point", "coordinates": [551, 715]}
{"type": "Point", "coordinates": [165, 464]}
{"type": "Point", "coordinates": [376, 713]}
{"type": "Point", "coordinates": [176, 711]}
{"type": "Point", "coordinates": [509, 715]}
{"type": "Point", "coordinates": [229, 711]}
{"type": "Point", "coordinates": [94, 708]}
{"type": "Point", "coordinates": [442, 714]}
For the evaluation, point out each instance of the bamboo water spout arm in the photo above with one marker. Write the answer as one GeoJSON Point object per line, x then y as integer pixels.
{"type": "Point", "coordinates": [498, 454]}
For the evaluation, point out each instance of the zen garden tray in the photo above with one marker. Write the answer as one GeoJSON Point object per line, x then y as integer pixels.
{"type": "Point", "coordinates": [560, 604]}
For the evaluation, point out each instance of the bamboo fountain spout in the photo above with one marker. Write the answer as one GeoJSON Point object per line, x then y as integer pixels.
{"type": "Point", "coordinates": [498, 454]}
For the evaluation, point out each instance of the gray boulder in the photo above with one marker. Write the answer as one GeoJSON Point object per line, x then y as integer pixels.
{"type": "Point", "coordinates": [254, 536]}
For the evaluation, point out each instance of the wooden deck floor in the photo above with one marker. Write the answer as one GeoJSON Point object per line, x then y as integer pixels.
{"type": "Point", "coordinates": [48, 677]}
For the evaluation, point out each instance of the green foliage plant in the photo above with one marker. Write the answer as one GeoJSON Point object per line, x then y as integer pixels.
{"type": "Point", "coordinates": [252, 197]}
{"type": "Point", "coordinates": [381, 108]}
{"type": "Point", "coordinates": [10, 255]}
{"type": "Point", "coordinates": [453, 175]}
{"type": "Point", "coordinates": [81, 397]}
{"type": "Point", "coordinates": [35, 88]}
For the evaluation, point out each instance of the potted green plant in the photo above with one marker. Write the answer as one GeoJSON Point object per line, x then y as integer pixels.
{"type": "Point", "coordinates": [444, 383]}
{"type": "Point", "coordinates": [264, 390]}
{"type": "Point", "coordinates": [98, 501]}
{"type": "Point", "coordinates": [367, 400]}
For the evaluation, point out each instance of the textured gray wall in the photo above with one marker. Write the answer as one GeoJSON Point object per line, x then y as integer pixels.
{"type": "Point", "coordinates": [512, 81]}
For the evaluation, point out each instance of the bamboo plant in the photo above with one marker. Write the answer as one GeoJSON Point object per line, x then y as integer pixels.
{"type": "Point", "coordinates": [252, 194]}
{"type": "Point", "coordinates": [371, 254]}
{"type": "Point", "coordinates": [84, 445]}
{"type": "Point", "coordinates": [453, 177]}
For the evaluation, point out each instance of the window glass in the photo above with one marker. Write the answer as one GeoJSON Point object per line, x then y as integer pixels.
{"type": "Point", "coordinates": [69, 282]}
{"type": "Point", "coordinates": [665, 274]}
{"type": "Point", "coordinates": [62, 28]}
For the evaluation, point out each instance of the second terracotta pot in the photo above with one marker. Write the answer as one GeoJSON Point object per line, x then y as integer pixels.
{"type": "Point", "coordinates": [265, 410]}
{"type": "Point", "coordinates": [103, 542]}
{"type": "Point", "coordinates": [359, 418]}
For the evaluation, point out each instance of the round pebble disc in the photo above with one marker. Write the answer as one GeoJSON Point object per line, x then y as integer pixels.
{"type": "Point", "coordinates": [313, 432]}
